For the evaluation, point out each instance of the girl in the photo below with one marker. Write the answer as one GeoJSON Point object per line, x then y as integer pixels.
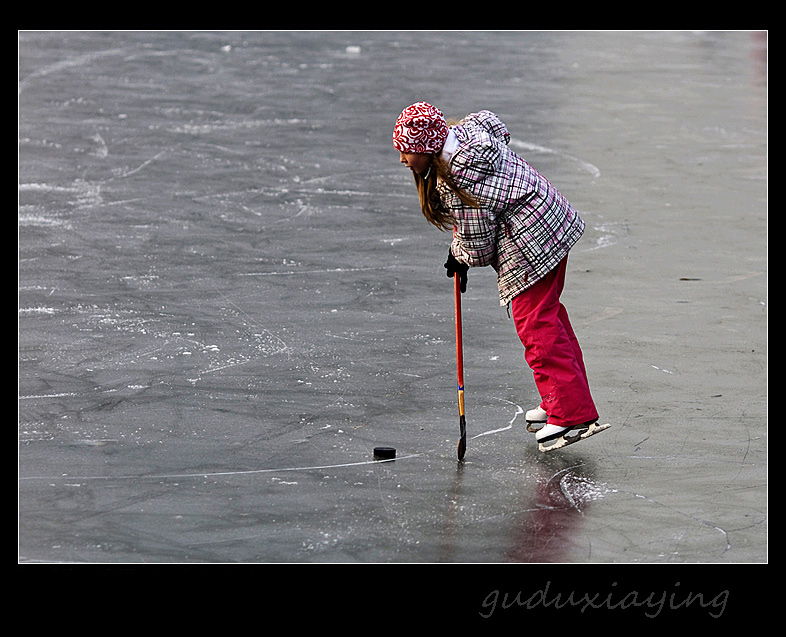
{"type": "Point", "coordinates": [506, 215]}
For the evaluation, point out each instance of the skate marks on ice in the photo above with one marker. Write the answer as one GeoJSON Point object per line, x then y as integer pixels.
{"type": "Point", "coordinates": [568, 438]}
{"type": "Point", "coordinates": [213, 474]}
{"type": "Point", "coordinates": [239, 472]}
{"type": "Point", "coordinates": [532, 149]}
{"type": "Point", "coordinates": [562, 499]}
{"type": "Point", "coordinates": [245, 472]}
{"type": "Point", "coordinates": [509, 426]}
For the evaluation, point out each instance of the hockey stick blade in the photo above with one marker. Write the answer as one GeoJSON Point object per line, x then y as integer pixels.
{"type": "Point", "coordinates": [462, 443]}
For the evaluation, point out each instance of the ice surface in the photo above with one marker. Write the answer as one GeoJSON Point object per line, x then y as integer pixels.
{"type": "Point", "coordinates": [227, 298]}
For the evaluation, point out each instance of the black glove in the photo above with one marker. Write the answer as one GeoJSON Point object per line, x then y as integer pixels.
{"type": "Point", "coordinates": [454, 267]}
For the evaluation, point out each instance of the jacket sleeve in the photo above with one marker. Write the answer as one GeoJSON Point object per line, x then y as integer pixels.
{"type": "Point", "coordinates": [474, 243]}
{"type": "Point", "coordinates": [476, 173]}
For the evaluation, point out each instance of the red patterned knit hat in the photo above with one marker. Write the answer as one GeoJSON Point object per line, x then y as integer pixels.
{"type": "Point", "coordinates": [421, 128]}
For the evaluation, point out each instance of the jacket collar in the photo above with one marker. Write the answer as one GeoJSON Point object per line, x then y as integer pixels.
{"type": "Point", "coordinates": [451, 144]}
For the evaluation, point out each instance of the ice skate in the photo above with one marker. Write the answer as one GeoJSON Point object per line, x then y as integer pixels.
{"type": "Point", "coordinates": [536, 419]}
{"type": "Point", "coordinates": [553, 437]}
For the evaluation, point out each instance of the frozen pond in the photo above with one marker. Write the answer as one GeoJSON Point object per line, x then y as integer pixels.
{"type": "Point", "coordinates": [228, 297]}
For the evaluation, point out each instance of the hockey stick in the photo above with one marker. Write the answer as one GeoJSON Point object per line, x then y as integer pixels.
{"type": "Point", "coordinates": [462, 443]}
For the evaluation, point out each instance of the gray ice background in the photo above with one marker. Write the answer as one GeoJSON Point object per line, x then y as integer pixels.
{"type": "Point", "coordinates": [227, 297]}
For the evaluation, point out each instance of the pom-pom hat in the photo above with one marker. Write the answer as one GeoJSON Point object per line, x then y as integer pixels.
{"type": "Point", "coordinates": [421, 128]}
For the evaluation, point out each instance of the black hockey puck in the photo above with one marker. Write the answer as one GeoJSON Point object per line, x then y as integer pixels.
{"type": "Point", "coordinates": [384, 453]}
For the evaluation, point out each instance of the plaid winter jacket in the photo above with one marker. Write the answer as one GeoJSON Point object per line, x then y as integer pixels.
{"type": "Point", "coordinates": [524, 227]}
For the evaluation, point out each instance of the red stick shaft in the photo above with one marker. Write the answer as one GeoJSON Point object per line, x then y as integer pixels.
{"type": "Point", "coordinates": [459, 337]}
{"type": "Point", "coordinates": [459, 340]}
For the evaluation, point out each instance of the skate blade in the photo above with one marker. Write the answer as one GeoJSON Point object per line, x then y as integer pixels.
{"type": "Point", "coordinates": [533, 426]}
{"type": "Point", "coordinates": [566, 439]}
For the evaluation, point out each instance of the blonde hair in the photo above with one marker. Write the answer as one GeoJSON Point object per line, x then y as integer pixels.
{"type": "Point", "coordinates": [430, 204]}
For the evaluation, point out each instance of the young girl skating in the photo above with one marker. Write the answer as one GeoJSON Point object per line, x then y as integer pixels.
{"type": "Point", "coordinates": [506, 215]}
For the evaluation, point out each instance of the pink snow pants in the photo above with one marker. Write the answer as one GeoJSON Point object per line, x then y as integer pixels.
{"type": "Point", "coordinates": [552, 351]}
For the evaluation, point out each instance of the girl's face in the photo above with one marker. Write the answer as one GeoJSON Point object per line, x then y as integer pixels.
{"type": "Point", "coordinates": [416, 162]}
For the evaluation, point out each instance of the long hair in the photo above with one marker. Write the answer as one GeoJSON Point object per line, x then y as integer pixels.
{"type": "Point", "coordinates": [430, 204]}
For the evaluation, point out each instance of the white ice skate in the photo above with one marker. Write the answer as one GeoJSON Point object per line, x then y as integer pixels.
{"type": "Point", "coordinates": [536, 419]}
{"type": "Point", "coordinates": [553, 437]}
